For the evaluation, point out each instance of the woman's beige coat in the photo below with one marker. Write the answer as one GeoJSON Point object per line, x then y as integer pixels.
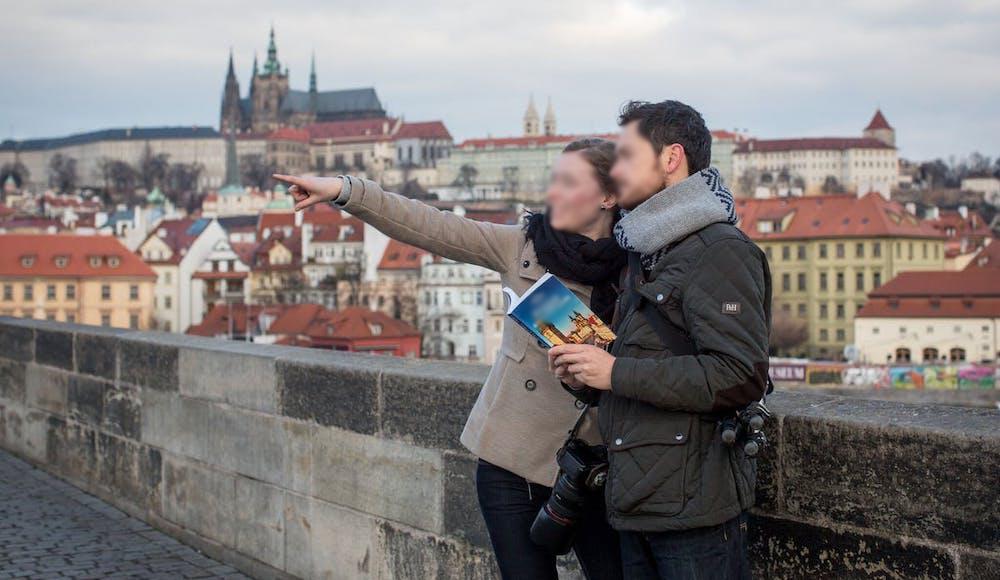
{"type": "Point", "coordinates": [523, 414]}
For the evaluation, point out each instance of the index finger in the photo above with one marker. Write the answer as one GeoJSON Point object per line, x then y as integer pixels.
{"type": "Point", "coordinates": [289, 179]}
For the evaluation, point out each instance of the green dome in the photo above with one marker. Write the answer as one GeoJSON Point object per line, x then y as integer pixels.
{"type": "Point", "coordinates": [285, 203]}
{"type": "Point", "coordinates": [280, 188]}
{"type": "Point", "coordinates": [155, 197]}
{"type": "Point", "coordinates": [231, 189]}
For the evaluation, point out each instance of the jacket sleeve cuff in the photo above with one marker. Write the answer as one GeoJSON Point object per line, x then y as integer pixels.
{"type": "Point", "coordinates": [345, 192]}
{"type": "Point", "coordinates": [622, 373]}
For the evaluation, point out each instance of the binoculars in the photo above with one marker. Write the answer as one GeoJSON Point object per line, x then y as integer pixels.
{"type": "Point", "coordinates": [747, 427]}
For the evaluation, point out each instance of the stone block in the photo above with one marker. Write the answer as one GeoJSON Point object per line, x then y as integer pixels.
{"type": "Point", "coordinates": [97, 354]}
{"type": "Point", "coordinates": [786, 549]}
{"type": "Point", "coordinates": [54, 348]}
{"type": "Point", "coordinates": [129, 470]}
{"type": "Point", "coordinates": [122, 411]}
{"type": "Point", "coordinates": [247, 443]}
{"type": "Point", "coordinates": [378, 476]}
{"type": "Point", "coordinates": [904, 481]}
{"type": "Point", "coordinates": [46, 388]}
{"type": "Point", "coordinates": [323, 540]}
{"type": "Point", "coordinates": [768, 489]}
{"type": "Point", "coordinates": [414, 555]}
{"type": "Point", "coordinates": [85, 399]}
{"type": "Point", "coordinates": [238, 379]}
{"type": "Point", "coordinates": [299, 437]}
{"type": "Point", "coordinates": [427, 404]}
{"type": "Point", "coordinates": [149, 364]}
{"type": "Point", "coordinates": [24, 431]}
{"type": "Point", "coordinates": [17, 341]}
{"type": "Point", "coordinates": [177, 424]}
{"type": "Point", "coordinates": [199, 498]}
{"type": "Point", "coordinates": [12, 380]}
{"type": "Point", "coordinates": [331, 396]}
{"type": "Point", "coordinates": [462, 518]}
{"type": "Point", "coordinates": [260, 521]}
{"type": "Point", "coordinates": [72, 450]}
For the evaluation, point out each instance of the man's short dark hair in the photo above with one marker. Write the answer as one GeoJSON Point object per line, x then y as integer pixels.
{"type": "Point", "coordinates": [670, 122]}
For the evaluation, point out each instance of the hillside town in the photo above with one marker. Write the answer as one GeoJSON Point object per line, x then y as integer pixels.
{"type": "Point", "coordinates": [876, 259]}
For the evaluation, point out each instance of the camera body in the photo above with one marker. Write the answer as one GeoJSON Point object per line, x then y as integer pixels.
{"type": "Point", "coordinates": [583, 471]}
{"type": "Point", "coordinates": [746, 427]}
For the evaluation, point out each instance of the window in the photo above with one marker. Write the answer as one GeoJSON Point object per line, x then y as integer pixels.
{"type": "Point", "coordinates": [859, 281]}
{"type": "Point", "coordinates": [133, 292]}
{"type": "Point", "coordinates": [105, 319]}
{"type": "Point", "coordinates": [802, 281]}
{"type": "Point", "coordinates": [95, 261]}
{"type": "Point", "coordinates": [105, 291]}
{"type": "Point", "coordinates": [840, 310]}
{"type": "Point", "coordinates": [822, 281]}
{"type": "Point", "coordinates": [168, 302]}
{"type": "Point", "coordinates": [876, 279]}
{"type": "Point", "coordinates": [29, 292]}
{"type": "Point", "coordinates": [841, 335]}
{"type": "Point", "coordinates": [50, 291]}
{"type": "Point", "coordinates": [956, 354]}
{"type": "Point", "coordinates": [823, 335]}
{"type": "Point", "coordinates": [902, 355]}
{"type": "Point", "coordinates": [822, 251]}
{"type": "Point", "coordinates": [8, 292]}
{"type": "Point", "coordinates": [802, 251]}
{"type": "Point", "coordinates": [472, 351]}
{"type": "Point", "coordinates": [930, 355]}
{"type": "Point", "coordinates": [840, 281]}
{"type": "Point", "coordinates": [823, 312]}
{"type": "Point", "coordinates": [70, 291]}
{"type": "Point", "coordinates": [840, 250]}
{"type": "Point", "coordinates": [786, 282]}
{"type": "Point", "coordinates": [70, 317]}
{"type": "Point", "coordinates": [786, 252]}
{"type": "Point", "coordinates": [859, 250]}
{"type": "Point", "coordinates": [133, 320]}
{"type": "Point", "coordinates": [877, 249]}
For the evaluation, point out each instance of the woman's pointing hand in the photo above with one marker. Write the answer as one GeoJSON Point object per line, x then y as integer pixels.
{"type": "Point", "coordinates": [309, 191]}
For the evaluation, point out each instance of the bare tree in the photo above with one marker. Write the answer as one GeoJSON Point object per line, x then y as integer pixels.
{"type": "Point", "coordinates": [467, 175]}
{"type": "Point", "coordinates": [120, 180]}
{"type": "Point", "coordinates": [257, 170]}
{"type": "Point", "coordinates": [832, 185]}
{"type": "Point", "coordinates": [787, 332]}
{"type": "Point", "coordinates": [153, 169]}
{"type": "Point", "coordinates": [14, 169]}
{"type": "Point", "coordinates": [62, 173]}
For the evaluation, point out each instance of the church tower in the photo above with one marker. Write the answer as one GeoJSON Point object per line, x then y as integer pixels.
{"type": "Point", "coordinates": [230, 118]}
{"type": "Point", "coordinates": [313, 91]}
{"type": "Point", "coordinates": [549, 124]}
{"type": "Point", "coordinates": [879, 128]}
{"type": "Point", "coordinates": [268, 91]}
{"type": "Point", "coordinates": [531, 121]}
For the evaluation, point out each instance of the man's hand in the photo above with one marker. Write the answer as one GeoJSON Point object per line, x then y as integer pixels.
{"type": "Point", "coordinates": [585, 363]}
{"type": "Point", "coordinates": [309, 191]}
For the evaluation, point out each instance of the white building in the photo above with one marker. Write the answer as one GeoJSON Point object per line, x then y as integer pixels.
{"type": "Point", "coordinates": [175, 250]}
{"type": "Point", "coordinates": [932, 317]}
{"type": "Point", "coordinates": [814, 164]}
{"type": "Point", "coordinates": [451, 310]}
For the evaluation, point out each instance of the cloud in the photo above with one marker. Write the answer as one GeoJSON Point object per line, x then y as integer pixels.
{"type": "Point", "coordinates": [775, 68]}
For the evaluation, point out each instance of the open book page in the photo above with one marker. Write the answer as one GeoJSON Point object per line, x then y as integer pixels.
{"type": "Point", "coordinates": [555, 315]}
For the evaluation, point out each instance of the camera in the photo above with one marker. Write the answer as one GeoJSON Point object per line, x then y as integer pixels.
{"type": "Point", "coordinates": [583, 470]}
{"type": "Point", "coordinates": [747, 426]}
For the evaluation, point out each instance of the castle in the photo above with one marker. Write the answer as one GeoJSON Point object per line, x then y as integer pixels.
{"type": "Point", "coordinates": [271, 104]}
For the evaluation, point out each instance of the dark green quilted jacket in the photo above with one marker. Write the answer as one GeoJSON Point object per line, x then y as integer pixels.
{"type": "Point", "coordinates": [669, 468]}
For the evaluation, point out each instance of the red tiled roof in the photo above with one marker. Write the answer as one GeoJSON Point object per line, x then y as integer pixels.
{"type": "Point", "coordinates": [528, 141]}
{"type": "Point", "coordinates": [400, 256]}
{"type": "Point", "coordinates": [809, 143]}
{"type": "Point", "coordinates": [353, 130]}
{"type": "Point", "coordinates": [938, 294]}
{"type": "Point", "coordinates": [6, 211]}
{"type": "Point", "coordinates": [289, 134]}
{"type": "Point", "coordinates": [423, 130]}
{"type": "Point", "coordinates": [972, 226]}
{"type": "Point", "coordinates": [222, 318]}
{"type": "Point", "coordinates": [317, 215]}
{"type": "Point", "coordinates": [987, 259]}
{"type": "Point", "coordinates": [312, 320]}
{"type": "Point", "coordinates": [727, 135]}
{"type": "Point", "coordinates": [878, 122]}
{"type": "Point", "coordinates": [351, 229]}
{"type": "Point", "coordinates": [832, 216]}
{"type": "Point", "coordinates": [44, 250]}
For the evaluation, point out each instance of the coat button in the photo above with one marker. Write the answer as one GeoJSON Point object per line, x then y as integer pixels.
{"type": "Point", "coordinates": [525, 264]}
{"type": "Point", "coordinates": [659, 297]}
{"type": "Point", "coordinates": [530, 384]}
{"type": "Point", "coordinates": [679, 436]}
{"type": "Point", "coordinates": [580, 404]}
{"type": "Point", "coordinates": [618, 441]}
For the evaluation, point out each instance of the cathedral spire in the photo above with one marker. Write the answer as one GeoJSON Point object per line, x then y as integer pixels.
{"type": "Point", "coordinates": [531, 128]}
{"type": "Point", "coordinates": [549, 123]}
{"type": "Point", "coordinates": [272, 66]}
{"type": "Point", "coordinates": [231, 73]}
{"type": "Point", "coordinates": [312, 73]}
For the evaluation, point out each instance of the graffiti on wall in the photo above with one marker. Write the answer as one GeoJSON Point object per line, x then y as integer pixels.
{"type": "Point", "coordinates": [947, 376]}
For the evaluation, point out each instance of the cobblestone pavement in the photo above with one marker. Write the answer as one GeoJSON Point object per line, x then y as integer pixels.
{"type": "Point", "coordinates": [50, 529]}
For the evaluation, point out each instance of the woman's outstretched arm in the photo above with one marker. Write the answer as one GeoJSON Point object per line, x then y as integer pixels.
{"type": "Point", "coordinates": [413, 222]}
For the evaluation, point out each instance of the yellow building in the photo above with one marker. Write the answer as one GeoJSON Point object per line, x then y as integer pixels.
{"type": "Point", "coordinates": [827, 253]}
{"type": "Point", "coordinates": [71, 278]}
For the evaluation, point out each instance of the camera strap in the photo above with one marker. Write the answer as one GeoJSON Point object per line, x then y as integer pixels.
{"type": "Point", "coordinates": [579, 422]}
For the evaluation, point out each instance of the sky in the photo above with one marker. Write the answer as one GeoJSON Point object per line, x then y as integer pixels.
{"type": "Point", "coordinates": [774, 69]}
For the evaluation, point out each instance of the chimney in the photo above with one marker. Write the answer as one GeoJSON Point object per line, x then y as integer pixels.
{"type": "Point", "coordinates": [298, 219]}
{"type": "Point", "coordinates": [911, 208]}
{"type": "Point", "coordinates": [307, 234]}
{"type": "Point", "coordinates": [963, 210]}
{"type": "Point", "coordinates": [933, 213]}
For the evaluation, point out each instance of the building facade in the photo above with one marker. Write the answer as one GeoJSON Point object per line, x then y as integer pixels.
{"type": "Point", "coordinates": [75, 278]}
{"type": "Point", "coordinates": [451, 310]}
{"type": "Point", "coordinates": [826, 253]}
{"type": "Point", "coordinates": [818, 165]}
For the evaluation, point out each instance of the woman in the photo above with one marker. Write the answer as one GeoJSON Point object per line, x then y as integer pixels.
{"type": "Point", "coordinates": [523, 414]}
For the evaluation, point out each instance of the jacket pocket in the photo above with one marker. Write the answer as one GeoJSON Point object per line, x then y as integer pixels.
{"type": "Point", "coordinates": [649, 467]}
{"type": "Point", "coordinates": [513, 346]}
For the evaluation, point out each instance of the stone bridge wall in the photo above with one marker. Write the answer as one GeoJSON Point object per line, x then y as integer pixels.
{"type": "Point", "coordinates": [295, 462]}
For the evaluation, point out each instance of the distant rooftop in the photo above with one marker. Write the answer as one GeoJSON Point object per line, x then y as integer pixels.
{"type": "Point", "coordinates": [123, 134]}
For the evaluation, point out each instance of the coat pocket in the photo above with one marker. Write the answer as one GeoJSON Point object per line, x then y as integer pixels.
{"type": "Point", "coordinates": [649, 469]}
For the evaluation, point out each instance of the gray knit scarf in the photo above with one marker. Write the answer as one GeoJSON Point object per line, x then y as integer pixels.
{"type": "Point", "coordinates": [675, 212]}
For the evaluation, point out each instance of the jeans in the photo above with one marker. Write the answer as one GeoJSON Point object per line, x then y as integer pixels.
{"type": "Point", "coordinates": [509, 504]}
{"type": "Point", "coordinates": [716, 552]}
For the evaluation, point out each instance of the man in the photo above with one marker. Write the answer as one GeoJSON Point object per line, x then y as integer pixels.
{"type": "Point", "coordinates": [692, 325]}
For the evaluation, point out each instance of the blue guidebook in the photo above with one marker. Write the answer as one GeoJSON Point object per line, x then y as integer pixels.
{"type": "Point", "coordinates": [554, 315]}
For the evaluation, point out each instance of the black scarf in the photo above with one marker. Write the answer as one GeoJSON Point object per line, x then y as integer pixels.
{"type": "Point", "coordinates": [596, 263]}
